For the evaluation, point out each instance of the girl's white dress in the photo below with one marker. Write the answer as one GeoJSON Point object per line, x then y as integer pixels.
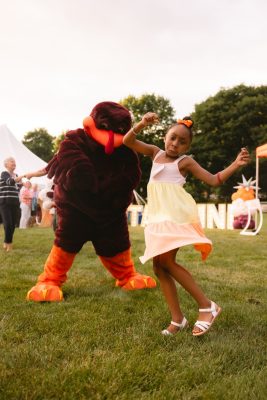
{"type": "Point", "coordinates": [173, 219]}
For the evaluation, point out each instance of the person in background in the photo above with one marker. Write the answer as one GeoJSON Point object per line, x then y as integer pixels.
{"type": "Point", "coordinates": [34, 207]}
{"type": "Point", "coordinates": [25, 197]}
{"type": "Point", "coordinates": [173, 219]}
{"type": "Point", "coordinates": [9, 200]}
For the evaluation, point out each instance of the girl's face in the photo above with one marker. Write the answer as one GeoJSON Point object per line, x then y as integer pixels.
{"type": "Point", "coordinates": [177, 141]}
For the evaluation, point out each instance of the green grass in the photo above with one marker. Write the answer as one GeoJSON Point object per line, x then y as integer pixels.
{"type": "Point", "coordinates": [103, 343]}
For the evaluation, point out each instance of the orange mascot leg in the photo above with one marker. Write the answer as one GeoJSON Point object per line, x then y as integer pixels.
{"type": "Point", "coordinates": [49, 282]}
{"type": "Point", "coordinates": [122, 268]}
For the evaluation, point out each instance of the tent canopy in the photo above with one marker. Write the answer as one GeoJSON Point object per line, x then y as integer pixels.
{"type": "Point", "coordinates": [261, 151]}
{"type": "Point", "coordinates": [26, 161]}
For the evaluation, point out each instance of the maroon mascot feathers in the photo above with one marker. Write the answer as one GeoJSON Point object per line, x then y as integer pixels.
{"type": "Point", "coordinates": [94, 176]}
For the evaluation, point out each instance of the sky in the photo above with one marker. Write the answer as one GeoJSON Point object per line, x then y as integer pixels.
{"type": "Point", "coordinates": [61, 57]}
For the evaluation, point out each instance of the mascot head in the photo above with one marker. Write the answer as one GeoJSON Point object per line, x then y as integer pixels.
{"type": "Point", "coordinates": [107, 124]}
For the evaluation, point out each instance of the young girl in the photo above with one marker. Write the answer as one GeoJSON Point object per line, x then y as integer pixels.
{"type": "Point", "coordinates": [173, 217]}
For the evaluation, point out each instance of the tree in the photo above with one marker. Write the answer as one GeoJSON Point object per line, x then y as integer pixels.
{"type": "Point", "coordinates": [224, 123]}
{"type": "Point", "coordinates": [40, 143]}
{"type": "Point", "coordinates": [57, 140]}
{"type": "Point", "coordinates": [152, 134]}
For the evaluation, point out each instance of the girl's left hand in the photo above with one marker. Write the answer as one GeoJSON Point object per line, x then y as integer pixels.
{"type": "Point", "coordinates": [243, 157]}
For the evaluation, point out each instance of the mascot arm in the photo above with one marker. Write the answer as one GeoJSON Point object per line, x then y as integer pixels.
{"type": "Point", "coordinates": [116, 183]}
{"type": "Point", "coordinates": [128, 177]}
{"type": "Point", "coordinates": [72, 169]}
{"type": "Point", "coordinates": [82, 177]}
{"type": "Point", "coordinates": [118, 191]}
{"type": "Point", "coordinates": [52, 167]}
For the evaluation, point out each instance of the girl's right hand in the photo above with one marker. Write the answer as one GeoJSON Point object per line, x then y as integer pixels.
{"type": "Point", "coordinates": [243, 158]}
{"type": "Point", "coordinates": [150, 118]}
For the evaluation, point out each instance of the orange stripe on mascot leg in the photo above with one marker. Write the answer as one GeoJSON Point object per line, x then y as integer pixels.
{"type": "Point", "coordinates": [49, 283]}
{"type": "Point", "coordinates": [121, 266]}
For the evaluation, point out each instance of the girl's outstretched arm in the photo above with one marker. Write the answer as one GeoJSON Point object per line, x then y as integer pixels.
{"type": "Point", "coordinates": [141, 147]}
{"type": "Point", "coordinates": [202, 174]}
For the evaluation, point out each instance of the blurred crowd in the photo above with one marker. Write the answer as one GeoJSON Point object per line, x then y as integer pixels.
{"type": "Point", "coordinates": [23, 204]}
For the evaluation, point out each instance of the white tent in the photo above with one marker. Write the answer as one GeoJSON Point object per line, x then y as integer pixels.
{"type": "Point", "coordinates": [26, 161]}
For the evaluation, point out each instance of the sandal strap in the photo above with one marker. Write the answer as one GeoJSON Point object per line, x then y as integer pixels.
{"type": "Point", "coordinates": [203, 325]}
{"type": "Point", "coordinates": [181, 325]}
{"type": "Point", "coordinates": [211, 309]}
{"type": "Point", "coordinates": [166, 332]}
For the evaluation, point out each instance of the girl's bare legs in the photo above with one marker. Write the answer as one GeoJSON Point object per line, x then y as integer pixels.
{"type": "Point", "coordinates": [169, 290]}
{"type": "Point", "coordinates": [167, 262]}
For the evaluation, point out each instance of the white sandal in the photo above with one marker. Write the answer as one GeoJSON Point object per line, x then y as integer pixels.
{"type": "Point", "coordinates": [204, 326]}
{"type": "Point", "coordinates": [181, 326]}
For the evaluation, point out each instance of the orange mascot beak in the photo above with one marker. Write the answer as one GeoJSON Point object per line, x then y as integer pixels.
{"type": "Point", "coordinates": [108, 139]}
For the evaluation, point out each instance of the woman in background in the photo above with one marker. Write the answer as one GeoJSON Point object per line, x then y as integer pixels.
{"type": "Point", "coordinates": [9, 200]}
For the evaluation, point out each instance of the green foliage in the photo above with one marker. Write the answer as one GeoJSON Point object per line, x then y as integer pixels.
{"type": "Point", "coordinates": [40, 142]}
{"type": "Point", "coordinates": [224, 123]}
{"type": "Point", "coordinates": [104, 343]}
{"type": "Point", "coordinates": [152, 134]}
{"type": "Point", "coordinates": [57, 140]}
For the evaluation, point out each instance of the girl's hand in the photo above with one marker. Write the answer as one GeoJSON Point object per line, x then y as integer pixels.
{"type": "Point", "coordinates": [150, 118]}
{"type": "Point", "coordinates": [243, 157]}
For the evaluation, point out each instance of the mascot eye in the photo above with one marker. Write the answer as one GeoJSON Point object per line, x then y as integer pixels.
{"type": "Point", "coordinates": [103, 125]}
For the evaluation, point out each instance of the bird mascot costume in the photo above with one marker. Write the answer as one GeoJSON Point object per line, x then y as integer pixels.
{"type": "Point", "coordinates": [94, 176]}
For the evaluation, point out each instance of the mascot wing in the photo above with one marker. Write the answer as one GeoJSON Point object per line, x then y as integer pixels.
{"type": "Point", "coordinates": [72, 169]}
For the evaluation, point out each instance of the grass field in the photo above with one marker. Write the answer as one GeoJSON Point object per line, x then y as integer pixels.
{"type": "Point", "coordinates": [103, 343]}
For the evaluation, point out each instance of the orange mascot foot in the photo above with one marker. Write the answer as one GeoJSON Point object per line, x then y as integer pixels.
{"type": "Point", "coordinates": [138, 282]}
{"type": "Point", "coordinates": [50, 281]}
{"type": "Point", "coordinates": [122, 268]}
{"type": "Point", "coordinates": [44, 292]}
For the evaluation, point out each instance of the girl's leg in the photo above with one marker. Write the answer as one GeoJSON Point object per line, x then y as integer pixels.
{"type": "Point", "coordinates": [169, 290]}
{"type": "Point", "coordinates": [185, 279]}
{"type": "Point", "coordinates": [182, 276]}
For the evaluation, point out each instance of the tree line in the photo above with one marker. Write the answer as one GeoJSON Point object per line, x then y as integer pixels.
{"type": "Point", "coordinates": [233, 118]}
